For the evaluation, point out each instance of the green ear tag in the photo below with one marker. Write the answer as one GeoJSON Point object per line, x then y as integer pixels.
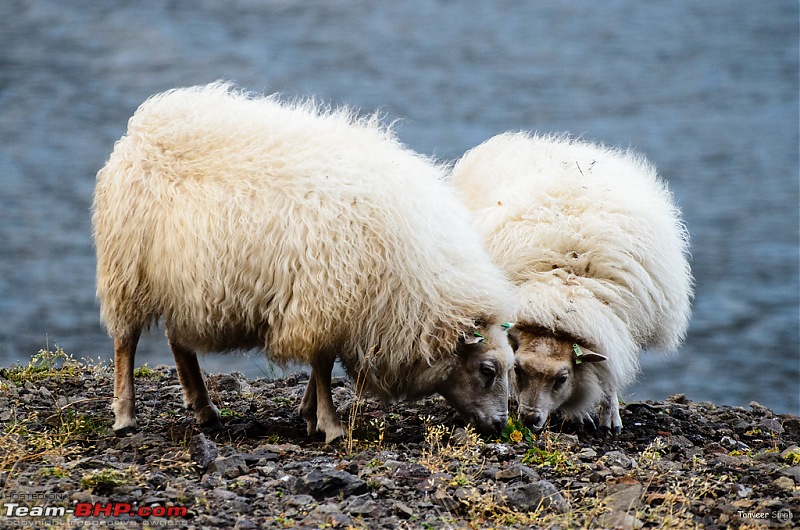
{"type": "Point", "coordinates": [481, 337]}
{"type": "Point", "coordinates": [506, 325]}
{"type": "Point", "coordinates": [578, 353]}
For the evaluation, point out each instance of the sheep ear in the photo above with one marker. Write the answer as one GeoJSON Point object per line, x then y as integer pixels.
{"type": "Point", "coordinates": [474, 338]}
{"type": "Point", "coordinates": [585, 355]}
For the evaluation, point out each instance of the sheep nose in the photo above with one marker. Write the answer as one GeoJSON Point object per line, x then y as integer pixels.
{"type": "Point", "coordinates": [534, 420]}
{"type": "Point", "coordinates": [498, 424]}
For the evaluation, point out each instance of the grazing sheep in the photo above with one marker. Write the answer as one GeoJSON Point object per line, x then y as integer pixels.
{"type": "Point", "coordinates": [246, 222]}
{"type": "Point", "coordinates": [597, 248]}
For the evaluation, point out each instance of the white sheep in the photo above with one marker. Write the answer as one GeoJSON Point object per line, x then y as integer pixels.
{"type": "Point", "coordinates": [247, 222]}
{"type": "Point", "coordinates": [596, 246]}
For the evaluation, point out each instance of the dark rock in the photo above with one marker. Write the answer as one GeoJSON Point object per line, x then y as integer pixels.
{"type": "Point", "coordinates": [528, 497]}
{"type": "Point", "coordinates": [791, 472]}
{"type": "Point", "coordinates": [228, 467]}
{"type": "Point", "coordinates": [328, 483]}
{"type": "Point", "coordinates": [259, 456]}
{"type": "Point", "coordinates": [772, 425]}
{"type": "Point", "coordinates": [361, 506]}
{"type": "Point", "coordinates": [225, 383]}
{"type": "Point", "coordinates": [410, 474]}
{"type": "Point", "coordinates": [202, 450]}
{"type": "Point", "coordinates": [517, 473]}
{"type": "Point", "coordinates": [444, 499]}
{"type": "Point", "coordinates": [403, 511]}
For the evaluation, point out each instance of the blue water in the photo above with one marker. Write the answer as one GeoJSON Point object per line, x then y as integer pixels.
{"type": "Point", "coordinates": [706, 90]}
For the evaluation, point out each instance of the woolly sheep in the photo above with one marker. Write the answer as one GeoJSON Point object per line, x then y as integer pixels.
{"type": "Point", "coordinates": [593, 241]}
{"type": "Point", "coordinates": [247, 222]}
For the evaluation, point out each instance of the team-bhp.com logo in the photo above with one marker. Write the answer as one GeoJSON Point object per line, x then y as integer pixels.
{"type": "Point", "coordinates": [96, 509]}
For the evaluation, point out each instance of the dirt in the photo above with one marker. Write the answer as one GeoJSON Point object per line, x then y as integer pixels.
{"type": "Point", "coordinates": [676, 464]}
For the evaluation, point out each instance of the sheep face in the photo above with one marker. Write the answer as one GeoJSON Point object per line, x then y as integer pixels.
{"type": "Point", "coordinates": [477, 387]}
{"type": "Point", "coordinates": [553, 373]}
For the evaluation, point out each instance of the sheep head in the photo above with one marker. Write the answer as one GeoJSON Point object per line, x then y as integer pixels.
{"type": "Point", "coordinates": [553, 372]}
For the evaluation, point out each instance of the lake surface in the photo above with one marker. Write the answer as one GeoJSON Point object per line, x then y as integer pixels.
{"type": "Point", "coordinates": [708, 91]}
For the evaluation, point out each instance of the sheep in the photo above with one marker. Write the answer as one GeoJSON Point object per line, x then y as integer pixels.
{"type": "Point", "coordinates": [598, 251]}
{"type": "Point", "coordinates": [243, 221]}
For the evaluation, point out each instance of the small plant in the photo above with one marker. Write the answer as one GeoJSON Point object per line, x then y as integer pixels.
{"type": "Point", "coordinates": [793, 456]}
{"type": "Point", "coordinates": [143, 371]}
{"type": "Point", "coordinates": [44, 364]}
{"type": "Point", "coordinates": [350, 441]}
{"type": "Point", "coordinates": [516, 432]}
{"type": "Point", "coordinates": [103, 481]}
{"type": "Point", "coordinates": [653, 452]}
{"type": "Point", "coordinates": [543, 457]}
{"type": "Point", "coordinates": [55, 471]}
{"type": "Point", "coordinates": [229, 413]}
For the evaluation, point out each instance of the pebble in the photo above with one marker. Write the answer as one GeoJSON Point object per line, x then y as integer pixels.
{"type": "Point", "coordinates": [202, 450]}
{"type": "Point", "coordinates": [528, 497]}
{"type": "Point", "coordinates": [228, 467]}
{"type": "Point", "coordinates": [328, 483]}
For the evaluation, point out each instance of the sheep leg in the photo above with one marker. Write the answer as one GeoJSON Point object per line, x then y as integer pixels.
{"type": "Point", "coordinates": [195, 393]}
{"type": "Point", "coordinates": [327, 419]}
{"type": "Point", "coordinates": [308, 405]}
{"type": "Point", "coordinates": [609, 413]}
{"type": "Point", "coordinates": [124, 392]}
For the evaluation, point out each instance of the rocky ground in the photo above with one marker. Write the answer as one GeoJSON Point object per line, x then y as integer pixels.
{"type": "Point", "coordinates": [677, 464]}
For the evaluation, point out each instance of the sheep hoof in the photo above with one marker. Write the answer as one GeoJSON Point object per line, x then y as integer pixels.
{"type": "Point", "coordinates": [334, 434]}
{"type": "Point", "coordinates": [125, 431]}
{"type": "Point", "coordinates": [588, 423]}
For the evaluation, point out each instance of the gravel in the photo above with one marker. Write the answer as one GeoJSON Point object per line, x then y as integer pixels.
{"type": "Point", "coordinates": [676, 463]}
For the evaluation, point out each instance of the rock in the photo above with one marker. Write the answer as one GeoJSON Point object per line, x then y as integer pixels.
{"type": "Point", "coordinates": [444, 499]}
{"type": "Point", "coordinates": [299, 501]}
{"type": "Point", "coordinates": [758, 408]}
{"type": "Point", "coordinates": [625, 495]}
{"type": "Point", "coordinates": [131, 442]}
{"type": "Point", "coordinates": [328, 483]}
{"type": "Point", "coordinates": [361, 506]}
{"type": "Point", "coordinates": [259, 456]}
{"type": "Point", "coordinates": [225, 383]}
{"type": "Point", "coordinates": [733, 445]}
{"type": "Point", "coordinates": [202, 450]}
{"type": "Point", "coordinates": [772, 425]}
{"type": "Point", "coordinates": [784, 483]}
{"type": "Point", "coordinates": [228, 467]}
{"type": "Point", "coordinates": [617, 459]}
{"type": "Point", "coordinates": [528, 497]}
{"type": "Point", "coordinates": [403, 511]}
{"type": "Point", "coordinates": [516, 473]}
{"type": "Point", "coordinates": [499, 452]}
{"type": "Point", "coordinates": [245, 524]}
{"type": "Point", "coordinates": [791, 472]}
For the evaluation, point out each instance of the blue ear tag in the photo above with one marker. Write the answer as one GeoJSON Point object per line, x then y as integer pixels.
{"type": "Point", "coordinates": [578, 353]}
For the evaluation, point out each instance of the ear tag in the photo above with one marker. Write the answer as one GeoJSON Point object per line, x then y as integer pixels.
{"type": "Point", "coordinates": [506, 325]}
{"type": "Point", "coordinates": [578, 353]}
{"type": "Point", "coordinates": [481, 338]}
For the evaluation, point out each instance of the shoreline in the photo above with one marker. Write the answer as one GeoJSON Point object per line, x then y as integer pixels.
{"type": "Point", "coordinates": [676, 463]}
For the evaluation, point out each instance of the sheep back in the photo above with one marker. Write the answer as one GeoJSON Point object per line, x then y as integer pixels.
{"type": "Point", "coordinates": [589, 234]}
{"type": "Point", "coordinates": [245, 221]}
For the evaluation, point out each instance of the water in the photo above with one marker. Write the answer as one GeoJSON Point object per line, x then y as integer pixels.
{"type": "Point", "coordinates": [707, 90]}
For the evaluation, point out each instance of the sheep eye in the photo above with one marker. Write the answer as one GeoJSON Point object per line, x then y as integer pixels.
{"type": "Point", "coordinates": [560, 380]}
{"type": "Point", "coordinates": [488, 369]}
{"type": "Point", "coordinates": [517, 369]}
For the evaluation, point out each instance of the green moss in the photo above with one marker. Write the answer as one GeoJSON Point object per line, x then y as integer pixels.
{"type": "Point", "coordinates": [103, 481]}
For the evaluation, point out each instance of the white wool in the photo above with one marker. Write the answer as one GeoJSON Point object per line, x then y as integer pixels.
{"type": "Point", "coordinates": [246, 221]}
{"type": "Point", "coordinates": [590, 235]}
